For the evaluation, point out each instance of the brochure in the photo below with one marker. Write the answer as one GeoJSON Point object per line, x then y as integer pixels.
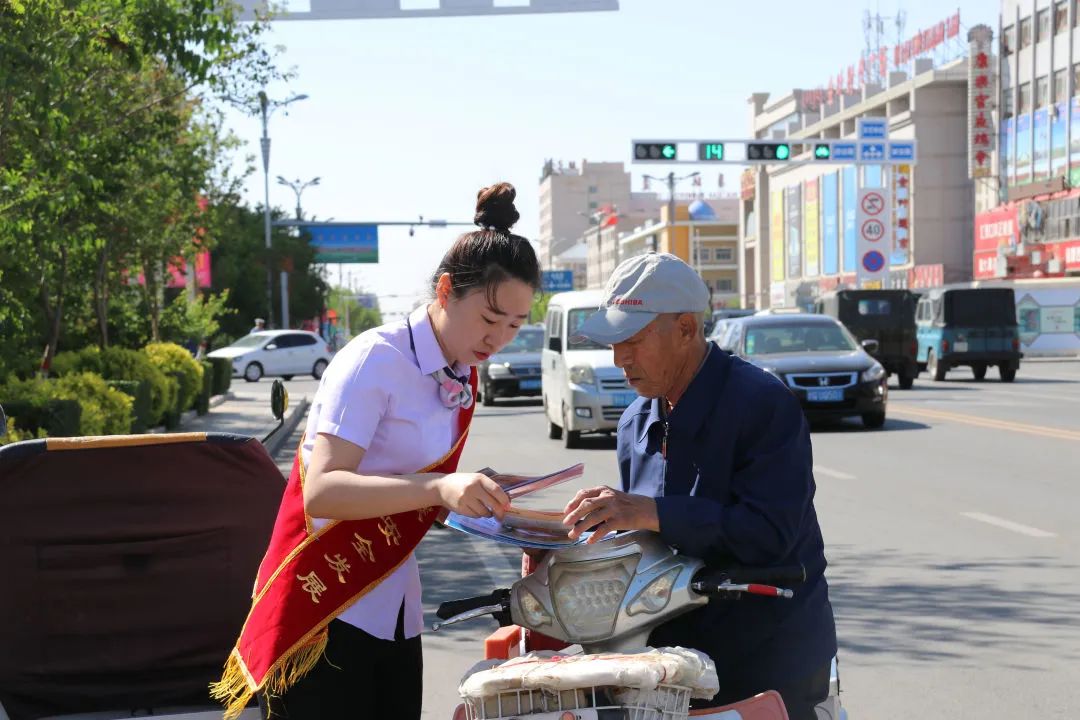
{"type": "Point", "coordinates": [521, 527]}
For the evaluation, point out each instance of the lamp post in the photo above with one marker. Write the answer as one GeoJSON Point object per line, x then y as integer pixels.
{"type": "Point", "coordinates": [298, 187]}
{"type": "Point", "coordinates": [671, 181]}
{"type": "Point", "coordinates": [267, 107]}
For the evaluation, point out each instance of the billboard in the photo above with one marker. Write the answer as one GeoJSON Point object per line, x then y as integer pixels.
{"type": "Point", "coordinates": [776, 234]}
{"type": "Point", "coordinates": [1041, 169]}
{"type": "Point", "coordinates": [793, 200]}
{"type": "Point", "coordinates": [344, 243]}
{"type": "Point", "coordinates": [812, 232]}
{"type": "Point", "coordinates": [1059, 152]}
{"type": "Point", "coordinates": [830, 237]}
{"type": "Point", "coordinates": [851, 208]}
{"type": "Point", "coordinates": [1023, 149]}
{"type": "Point", "coordinates": [1008, 131]}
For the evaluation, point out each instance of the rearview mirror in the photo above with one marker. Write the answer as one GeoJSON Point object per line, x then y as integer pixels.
{"type": "Point", "coordinates": [871, 346]}
{"type": "Point", "coordinates": [279, 400]}
{"type": "Point", "coordinates": [555, 344]}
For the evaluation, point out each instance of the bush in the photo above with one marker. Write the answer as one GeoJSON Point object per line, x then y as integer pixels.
{"type": "Point", "coordinates": [75, 361]}
{"type": "Point", "coordinates": [222, 375]}
{"type": "Point", "coordinates": [172, 415]}
{"type": "Point", "coordinates": [105, 411]}
{"type": "Point", "coordinates": [12, 434]}
{"type": "Point", "coordinates": [41, 418]}
{"type": "Point", "coordinates": [171, 358]}
{"type": "Point", "coordinates": [202, 406]}
{"type": "Point", "coordinates": [142, 417]}
{"type": "Point", "coordinates": [125, 364]}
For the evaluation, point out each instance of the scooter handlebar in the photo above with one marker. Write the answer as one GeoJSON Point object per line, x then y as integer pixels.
{"type": "Point", "coordinates": [457, 607]}
{"type": "Point", "coordinates": [784, 575]}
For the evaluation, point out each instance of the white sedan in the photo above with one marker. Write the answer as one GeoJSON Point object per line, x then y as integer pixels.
{"type": "Point", "coordinates": [277, 352]}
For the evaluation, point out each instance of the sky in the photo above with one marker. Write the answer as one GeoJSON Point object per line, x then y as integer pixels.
{"type": "Point", "coordinates": [410, 117]}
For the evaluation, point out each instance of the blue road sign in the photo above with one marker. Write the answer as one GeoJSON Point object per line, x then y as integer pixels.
{"type": "Point", "coordinates": [844, 151]}
{"type": "Point", "coordinates": [870, 152]}
{"type": "Point", "coordinates": [873, 128]}
{"type": "Point", "coordinates": [557, 281]}
{"type": "Point", "coordinates": [344, 243]}
{"type": "Point", "coordinates": [902, 151]}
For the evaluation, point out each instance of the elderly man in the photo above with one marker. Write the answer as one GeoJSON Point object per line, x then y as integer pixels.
{"type": "Point", "coordinates": [715, 456]}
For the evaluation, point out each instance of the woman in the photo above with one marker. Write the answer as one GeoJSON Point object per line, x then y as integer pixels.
{"type": "Point", "coordinates": [335, 623]}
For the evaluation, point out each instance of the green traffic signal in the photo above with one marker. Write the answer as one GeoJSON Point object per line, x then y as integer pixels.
{"type": "Point", "coordinates": [668, 151]}
{"type": "Point", "coordinates": [711, 151]}
{"type": "Point", "coordinates": [783, 152]}
{"type": "Point", "coordinates": [822, 152]}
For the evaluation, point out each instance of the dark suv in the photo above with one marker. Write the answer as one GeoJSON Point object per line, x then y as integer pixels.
{"type": "Point", "coordinates": [515, 370]}
{"type": "Point", "coordinates": [887, 316]}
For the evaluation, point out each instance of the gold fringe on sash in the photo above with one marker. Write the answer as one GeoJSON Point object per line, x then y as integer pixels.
{"type": "Point", "coordinates": [237, 687]}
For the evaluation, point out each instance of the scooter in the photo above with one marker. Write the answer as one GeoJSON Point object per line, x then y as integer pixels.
{"type": "Point", "coordinates": [607, 598]}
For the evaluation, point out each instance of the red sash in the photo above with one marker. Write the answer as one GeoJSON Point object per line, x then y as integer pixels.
{"type": "Point", "coordinates": [308, 578]}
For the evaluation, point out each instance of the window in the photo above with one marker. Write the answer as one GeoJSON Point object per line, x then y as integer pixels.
{"type": "Point", "coordinates": [818, 337]}
{"type": "Point", "coordinates": [301, 340]}
{"type": "Point", "coordinates": [875, 307]}
{"type": "Point", "coordinates": [704, 254]}
{"type": "Point", "coordinates": [1061, 86]}
{"type": "Point", "coordinates": [1076, 78]}
{"type": "Point", "coordinates": [1008, 40]}
{"type": "Point", "coordinates": [1042, 25]}
{"type": "Point", "coordinates": [574, 320]}
{"type": "Point", "coordinates": [1025, 33]}
{"type": "Point", "coordinates": [1007, 108]}
{"type": "Point", "coordinates": [1024, 104]}
{"type": "Point", "coordinates": [1042, 92]}
{"type": "Point", "coordinates": [724, 254]}
{"type": "Point", "coordinates": [725, 285]}
{"type": "Point", "coordinates": [1061, 17]}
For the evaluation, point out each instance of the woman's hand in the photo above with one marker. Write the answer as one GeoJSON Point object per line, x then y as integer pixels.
{"type": "Point", "coordinates": [472, 494]}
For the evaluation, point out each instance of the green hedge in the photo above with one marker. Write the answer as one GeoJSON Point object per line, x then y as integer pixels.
{"type": "Point", "coordinates": [202, 406]}
{"type": "Point", "coordinates": [116, 363]}
{"type": "Point", "coordinates": [176, 409]}
{"type": "Point", "coordinates": [171, 358]}
{"type": "Point", "coordinates": [142, 416]}
{"type": "Point", "coordinates": [57, 418]}
{"type": "Point", "coordinates": [222, 375]}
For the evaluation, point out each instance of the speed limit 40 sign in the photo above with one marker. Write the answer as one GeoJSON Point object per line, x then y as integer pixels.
{"type": "Point", "coordinates": [874, 243]}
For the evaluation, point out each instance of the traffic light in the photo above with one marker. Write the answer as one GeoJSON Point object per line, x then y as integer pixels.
{"type": "Point", "coordinates": [710, 151]}
{"type": "Point", "coordinates": [660, 151]}
{"type": "Point", "coordinates": [822, 151]}
{"type": "Point", "coordinates": [768, 151]}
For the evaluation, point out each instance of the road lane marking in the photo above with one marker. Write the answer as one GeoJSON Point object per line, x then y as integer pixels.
{"type": "Point", "coordinates": [822, 470]}
{"type": "Point", "coordinates": [1008, 525]}
{"type": "Point", "coordinates": [991, 423]}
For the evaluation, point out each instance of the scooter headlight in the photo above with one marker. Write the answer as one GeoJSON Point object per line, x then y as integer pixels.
{"type": "Point", "coordinates": [588, 595]}
{"type": "Point", "coordinates": [532, 610]}
{"type": "Point", "coordinates": [656, 594]}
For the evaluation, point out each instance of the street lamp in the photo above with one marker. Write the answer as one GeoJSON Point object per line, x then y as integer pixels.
{"type": "Point", "coordinates": [267, 107]}
{"type": "Point", "coordinates": [298, 187]}
{"type": "Point", "coordinates": [671, 180]}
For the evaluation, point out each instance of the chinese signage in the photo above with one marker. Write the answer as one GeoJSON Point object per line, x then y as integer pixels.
{"type": "Point", "coordinates": [557, 280]}
{"type": "Point", "coordinates": [776, 234]}
{"type": "Point", "coordinates": [746, 184]}
{"type": "Point", "coordinates": [980, 103]}
{"type": "Point", "coordinates": [901, 250]}
{"type": "Point", "coordinates": [812, 233]}
{"type": "Point", "coordinates": [927, 40]}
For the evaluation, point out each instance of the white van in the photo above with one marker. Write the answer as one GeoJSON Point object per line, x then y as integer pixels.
{"type": "Point", "coordinates": [583, 390]}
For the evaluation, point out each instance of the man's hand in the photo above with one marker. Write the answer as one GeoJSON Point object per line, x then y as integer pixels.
{"type": "Point", "coordinates": [605, 510]}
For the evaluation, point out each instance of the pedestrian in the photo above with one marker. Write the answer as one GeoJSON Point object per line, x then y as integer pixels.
{"type": "Point", "coordinates": [334, 627]}
{"type": "Point", "coordinates": [260, 325]}
{"type": "Point", "coordinates": [714, 455]}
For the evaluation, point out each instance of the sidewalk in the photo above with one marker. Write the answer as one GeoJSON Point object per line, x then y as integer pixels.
{"type": "Point", "coordinates": [245, 410]}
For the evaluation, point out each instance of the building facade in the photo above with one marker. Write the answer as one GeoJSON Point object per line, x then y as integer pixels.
{"type": "Point", "coordinates": [797, 220]}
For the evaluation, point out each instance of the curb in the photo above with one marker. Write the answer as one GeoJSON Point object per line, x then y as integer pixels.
{"type": "Point", "coordinates": [274, 444]}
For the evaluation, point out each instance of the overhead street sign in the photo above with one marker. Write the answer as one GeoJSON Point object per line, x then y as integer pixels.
{"type": "Point", "coordinates": [872, 128]}
{"type": "Point", "coordinates": [761, 151]}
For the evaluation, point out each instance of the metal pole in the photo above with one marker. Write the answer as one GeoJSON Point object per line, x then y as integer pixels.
{"type": "Point", "coordinates": [263, 102]}
{"type": "Point", "coordinates": [671, 210]}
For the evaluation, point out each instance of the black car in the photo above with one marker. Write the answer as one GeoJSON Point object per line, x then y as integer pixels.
{"type": "Point", "coordinates": [887, 316]}
{"type": "Point", "coordinates": [819, 360]}
{"type": "Point", "coordinates": [515, 370]}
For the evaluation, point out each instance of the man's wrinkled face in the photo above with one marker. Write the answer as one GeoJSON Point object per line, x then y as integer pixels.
{"type": "Point", "coordinates": [652, 359]}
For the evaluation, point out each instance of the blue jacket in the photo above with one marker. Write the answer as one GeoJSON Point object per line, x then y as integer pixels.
{"type": "Point", "coordinates": [737, 487]}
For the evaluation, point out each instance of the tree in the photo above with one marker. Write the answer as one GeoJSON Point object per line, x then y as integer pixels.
{"type": "Point", "coordinates": [96, 97]}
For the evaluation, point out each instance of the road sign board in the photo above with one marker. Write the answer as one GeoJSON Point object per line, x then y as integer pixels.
{"type": "Point", "coordinates": [844, 151]}
{"type": "Point", "coordinates": [874, 221]}
{"type": "Point", "coordinates": [557, 280]}
{"type": "Point", "coordinates": [871, 151]}
{"type": "Point", "coordinates": [872, 128]}
{"type": "Point", "coordinates": [873, 203]}
{"type": "Point", "coordinates": [902, 152]}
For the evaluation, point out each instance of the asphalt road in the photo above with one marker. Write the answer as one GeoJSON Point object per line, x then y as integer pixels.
{"type": "Point", "coordinates": [952, 537]}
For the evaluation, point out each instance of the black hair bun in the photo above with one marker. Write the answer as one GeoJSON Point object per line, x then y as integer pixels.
{"type": "Point", "coordinates": [495, 207]}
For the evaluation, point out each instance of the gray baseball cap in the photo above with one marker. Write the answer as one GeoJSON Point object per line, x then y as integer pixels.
{"type": "Point", "coordinates": [641, 288]}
